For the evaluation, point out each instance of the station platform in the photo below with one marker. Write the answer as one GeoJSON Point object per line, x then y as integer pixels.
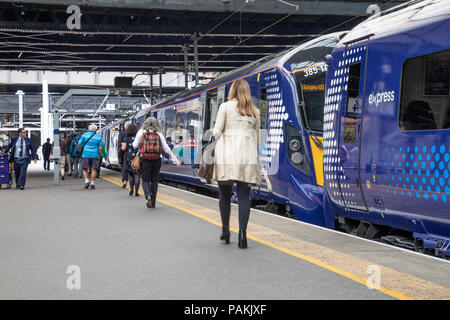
{"type": "Point", "coordinates": [123, 250]}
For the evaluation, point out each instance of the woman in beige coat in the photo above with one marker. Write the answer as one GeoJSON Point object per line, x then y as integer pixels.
{"type": "Point", "coordinates": [236, 156]}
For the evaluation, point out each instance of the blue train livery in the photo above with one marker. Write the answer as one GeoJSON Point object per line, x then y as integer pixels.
{"type": "Point", "coordinates": [288, 88]}
{"type": "Point", "coordinates": [386, 128]}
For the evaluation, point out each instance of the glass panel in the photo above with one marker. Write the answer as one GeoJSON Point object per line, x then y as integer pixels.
{"type": "Point", "coordinates": [312, 96]}
{"type": "Point", "coordinates": [425, 99]}
{"type": "Point", "coordinates": [213, 107]}
{"type": "Point", "coordinates": [351, 114]}
{"type": "Point", "coordinates": [263, 108]}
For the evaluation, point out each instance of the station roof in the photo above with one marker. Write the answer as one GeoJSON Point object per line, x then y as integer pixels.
{"type": "Point", "coordinates": [149, 36]}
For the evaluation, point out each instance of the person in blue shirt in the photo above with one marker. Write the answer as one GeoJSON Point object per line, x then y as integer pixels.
{"type": "Point", "coordinates": [22, 151]}
{"type": "Point", "coordinates": [92, 145]}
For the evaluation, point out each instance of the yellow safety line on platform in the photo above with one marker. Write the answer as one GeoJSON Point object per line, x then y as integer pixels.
{"type": "Point", "coordinates": [443, 294]}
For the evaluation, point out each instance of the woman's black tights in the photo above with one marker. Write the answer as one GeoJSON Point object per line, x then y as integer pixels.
{"type": "Point", "coordinates": [243, 194]}
{"type": "Point", "coordinates": [135, 181]}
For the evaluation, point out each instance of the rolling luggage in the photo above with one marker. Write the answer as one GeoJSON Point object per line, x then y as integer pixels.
{"type": "Point", "coordinates": [5, 172]}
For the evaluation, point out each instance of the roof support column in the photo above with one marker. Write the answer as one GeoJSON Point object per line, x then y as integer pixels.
{"type": "Point", "coordinates": [20, 93]}
{"type": "Point", "coordinates": [186, 67]}
{"type": "Point", "coordinates": [160, 83]}
{"type": "Point", "coordinates": [151, 87]}
{"type": "Point", "coordinates": [195, 38]}
{"type": "Point", "coordinates": [45, 125]}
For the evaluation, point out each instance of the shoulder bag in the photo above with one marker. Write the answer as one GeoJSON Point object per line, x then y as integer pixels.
{"type": "Point", "coordinates": [206, 169]}
{"type": "Point", "coordinates": [136, 163]}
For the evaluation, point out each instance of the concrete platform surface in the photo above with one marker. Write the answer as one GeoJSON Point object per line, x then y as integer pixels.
{"type": "Point", "coordinates": [65, 242]}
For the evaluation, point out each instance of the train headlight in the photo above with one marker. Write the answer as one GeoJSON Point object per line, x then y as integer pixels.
{"type": "Point", "coordinates": [297, 158]}
{"type": "Point", "coordinates": [296, 149]}
{"type": "Point", "coordinates": [294, 145]}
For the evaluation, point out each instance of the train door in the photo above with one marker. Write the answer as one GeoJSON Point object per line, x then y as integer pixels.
{"type": "Point", "coordinates": [353, 77]}
{"type": "Point", "coordinates": [205, 115]}
{"type": "Point", "coordinates": [210, 109]}
{"type": "Point", "coordinates": [262, 106]}
{"type": "Point", "coordinates": [213, 106]}
{"type": "Point", "coordinates": [220, 96]}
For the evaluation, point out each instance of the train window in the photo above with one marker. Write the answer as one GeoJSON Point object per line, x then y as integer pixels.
{"type": "Point", "coordinates": [193, 123]}
{"type": "Point", "coordinates": [425, 95]}
{"type": "Point", "coordinates": [169, 122]}
{"type": "Point", "coordinates": [351, 114]}
{"type": "Point", "coordinates": [181, 122]}
{"type": "Point", "coordinates": [312, 97]}
{"type": "Point", "coordinates": [314, 53]}
{"type": "Point", "coordinates": [213, 107]}
{"type": "Point", "coordinates": [263, 108]}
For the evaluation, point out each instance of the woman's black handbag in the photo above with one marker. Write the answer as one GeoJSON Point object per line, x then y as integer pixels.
{"type": "Point", "coordinates": [206, 169]}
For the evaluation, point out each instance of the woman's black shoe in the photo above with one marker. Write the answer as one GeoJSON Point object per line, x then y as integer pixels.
{"type": "Point", "coordinates": [225, 234]}
{"type": "Point", "coordinates": [131, 192]}
{"type": "Point", "coordinates": [242, 239]}
{"type": "Point", "coordinates": [136, 194]}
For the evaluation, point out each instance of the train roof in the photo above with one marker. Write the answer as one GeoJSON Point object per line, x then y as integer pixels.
{"type": "Point", "coordinates": [399, 18]}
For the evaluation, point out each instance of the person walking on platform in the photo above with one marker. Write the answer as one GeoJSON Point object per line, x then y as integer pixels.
{"type": "Point", "coordinates": [92, 145]}
{"type": "Point", "coordinates": [22, 151]}
{"type": "Point", "coordinates": [67, 143]}
{"type": "Point", "coordinates": [236, 160]}
{"type": "Point", "coordinates": [129, 153]}
{"type": "Point", "coordinates": [62, 157]}
{"type": "Point", "coordinates": [75, 154]}
{"type": "Point", "coordinates": [151, 143]}
{"type": "Point", "coordinates": [46, 152]}
{"type": "Point", "coordinates": [121, 155]}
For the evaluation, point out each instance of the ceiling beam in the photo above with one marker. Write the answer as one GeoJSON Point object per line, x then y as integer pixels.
{"type": "Point", "coordinates": [340, 7]}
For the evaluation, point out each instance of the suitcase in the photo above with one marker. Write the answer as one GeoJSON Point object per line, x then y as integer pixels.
{"type": "Point", "coordinates": [5, 172]}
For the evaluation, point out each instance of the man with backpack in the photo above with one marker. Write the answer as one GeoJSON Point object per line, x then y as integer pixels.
{"type": "Point", "coordinates": [151, 143]}
{"type": "Point", "coordinates": [75, 154]}
{"type": "Point", "coordinates": [92, 147]}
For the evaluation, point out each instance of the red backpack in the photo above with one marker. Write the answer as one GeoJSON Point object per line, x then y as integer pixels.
{"type": "Point", "coordinates": [151, 147]}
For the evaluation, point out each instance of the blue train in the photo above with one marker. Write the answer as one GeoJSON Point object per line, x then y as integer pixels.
{"type": "Point", "coordinates": [353, 128]}
{"type": "Point", "coordinates": [288, 88]}
{"type": "Point", "coordinates": [386, 120]}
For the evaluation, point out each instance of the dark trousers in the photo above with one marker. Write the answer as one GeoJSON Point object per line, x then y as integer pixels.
{"type": "Point", "coordinates": [243, 194]}
{"type": "Point", "coordinates": [150, 178]}
{"type": "Point", "coordinates": [47, 163]}
{"type": "Point", "coordinates": [20, 170]}
{"type": "Point", "coordinates": [124, 169]}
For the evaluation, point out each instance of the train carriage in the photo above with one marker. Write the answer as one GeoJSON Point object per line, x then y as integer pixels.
{"type": "Point", "coordinates": [386, 121]}
{"type": "Point", "coordinates": [288, 88]}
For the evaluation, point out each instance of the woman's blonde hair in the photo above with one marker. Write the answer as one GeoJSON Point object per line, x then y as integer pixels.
{"type": "Point", "coordinates": [240, 91]}
{"type": "Point", "coordinates": [152, 124]}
